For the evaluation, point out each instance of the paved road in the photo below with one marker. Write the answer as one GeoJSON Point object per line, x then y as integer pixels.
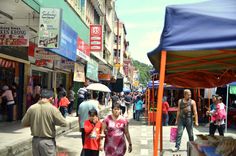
{"type": "Point", "coordinates": [141, 136]}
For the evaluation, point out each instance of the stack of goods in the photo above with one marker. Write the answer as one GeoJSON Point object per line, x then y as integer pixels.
{"type": "Point", "coordinates": [227, 147]}
{"type": "Point", "coordinates": [216, 145]}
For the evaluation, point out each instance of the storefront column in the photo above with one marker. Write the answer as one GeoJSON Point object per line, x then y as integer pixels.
{"type": "Point", "coordinates": [27, 75]}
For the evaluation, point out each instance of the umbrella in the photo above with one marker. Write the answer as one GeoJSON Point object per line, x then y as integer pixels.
{"type": "Point", "coordinates": [98, 87]}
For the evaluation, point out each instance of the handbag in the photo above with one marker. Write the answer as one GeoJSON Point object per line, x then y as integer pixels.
{"type": "Point", "coordinates": [173, 134]}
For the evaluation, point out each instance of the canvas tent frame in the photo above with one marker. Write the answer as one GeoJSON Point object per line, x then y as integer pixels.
{"type": "Point", "coordinates": [197, 49]}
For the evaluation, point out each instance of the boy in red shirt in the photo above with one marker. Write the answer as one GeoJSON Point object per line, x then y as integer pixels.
{"type": "Point", "coordinates": [63, 104]}
{"type": "Point", "coordinates": [92, 128]}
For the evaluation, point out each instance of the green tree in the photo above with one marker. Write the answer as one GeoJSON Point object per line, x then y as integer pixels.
{"type": "Point", "coordinates": [143, 69]}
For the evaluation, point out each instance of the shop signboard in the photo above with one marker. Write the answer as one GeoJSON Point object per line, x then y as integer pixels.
{"type": "Point", "coordinates": [41, 57]}
{"type": "Point", "coordinates": [42, 54]}
{"type": "Point", "coordinates": [96, 38]}
{"type": "Point", "coordinates": [49, 28]}
{"type": "Point", "coordinates": [92, 70]}
{"type": "Point", "coordinates": [104, 77]}
{"type": "Point", "coordinates": [79, 75]}
{"type": "Point", "coordinates": [14, 36]}
{"type": "Point", "coordinates": [68, 42]}
{"type": "Point", "coordinates": [83, 49]}
{"type": "Point", "coordinates": [67, 64]}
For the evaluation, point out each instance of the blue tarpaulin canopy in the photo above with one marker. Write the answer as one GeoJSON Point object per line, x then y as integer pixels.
{"type": "Point", "coordinates": [200, 40]}
{"type": "Point", "coordinates": [156, 84]}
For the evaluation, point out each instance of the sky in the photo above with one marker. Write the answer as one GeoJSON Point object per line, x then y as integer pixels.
{"type": "Point", "coordinates": [144, 21]}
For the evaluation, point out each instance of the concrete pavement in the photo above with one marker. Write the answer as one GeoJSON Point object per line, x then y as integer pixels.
{"type": "Point", "coordinates": [15, 139]}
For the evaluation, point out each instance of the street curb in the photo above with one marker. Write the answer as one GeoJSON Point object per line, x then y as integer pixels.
{"type": "Point", "coordinates": [24, 145]}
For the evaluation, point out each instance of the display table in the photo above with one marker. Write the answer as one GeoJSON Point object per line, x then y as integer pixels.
{"type": "Point", "coordinates": [172, 111]}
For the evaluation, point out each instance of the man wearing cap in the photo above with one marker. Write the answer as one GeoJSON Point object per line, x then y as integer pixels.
{"type": "Point", "coordinates": [42, 118]}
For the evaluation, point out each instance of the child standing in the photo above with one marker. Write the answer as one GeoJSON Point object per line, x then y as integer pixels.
{"type": "Point", "coordinates": [92, 128]}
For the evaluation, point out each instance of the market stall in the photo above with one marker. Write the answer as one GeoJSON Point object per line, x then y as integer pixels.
{"type": "Point", "coordinates": [151, 92]}
{"type": "Point", "coordinates": [197, 49]}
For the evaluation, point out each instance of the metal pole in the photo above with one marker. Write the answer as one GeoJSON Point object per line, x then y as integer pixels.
{"type": "Point", "coordinates": [159, 104]}
{"type": "Point", "coordinates": [227, 104]}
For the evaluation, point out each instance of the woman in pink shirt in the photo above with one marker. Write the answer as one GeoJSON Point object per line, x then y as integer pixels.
{"type": "Point", "coordinates": [7, 94]}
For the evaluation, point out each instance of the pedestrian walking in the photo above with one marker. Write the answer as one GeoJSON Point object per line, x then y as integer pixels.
{"type": "Point", "coordinates": [210, 113]}
{"type": "Point", "coordinates": [84, 108]}
{"type": "Point", "coordinates": [9, 98]}
{"type": "Point", "coordinates": [186, 109]}
{"type": "Point", "coordinates": [122, 105]}
{"type": "Point", "coordinates": [218, 117]}
{"type": "Point", "coordinates": [92, 129]}
{"type": "Point", "coordinates": [114, 98]}
{"type": "Point", "coordinates": [82, 94]}
{"type": "Point", "coordinates": [71, 97]}
{"type": "Point", "coordinates": [115, 127]}
{"type": "Point", "coordinates": [128, 102]}
{"type": "Point", "coordinates": [63, 104]}
{"type": "Point", "coordinates": [138, 108]}
{"type": "Point", "coordinates": [165, 108]}
{"type": "Point", "coordinates": [42, 118]}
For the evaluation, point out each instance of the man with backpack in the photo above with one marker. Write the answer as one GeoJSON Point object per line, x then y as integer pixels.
{"type": "Point", "coordinates": [186, 109]}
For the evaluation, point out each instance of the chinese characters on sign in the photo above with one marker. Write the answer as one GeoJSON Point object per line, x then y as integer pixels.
{"type": "Point", "coordinates": [96, 38]}
{"type": "Point", "coordinates": [83, 49]}
{"type": "Point", "coordinates": [49, 28]}
{"type": "Point", "coordinates": [14, 36]}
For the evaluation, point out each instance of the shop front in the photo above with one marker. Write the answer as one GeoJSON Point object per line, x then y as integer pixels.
{"type": "Point", "coordinates": [13, 61]}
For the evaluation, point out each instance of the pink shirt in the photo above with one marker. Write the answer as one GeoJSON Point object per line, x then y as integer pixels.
{"type": "Point", "coordinates": [9, 96]}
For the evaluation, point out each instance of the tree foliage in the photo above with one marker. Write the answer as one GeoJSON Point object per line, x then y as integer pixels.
{"type": "Point", "coordinates": [143, 69]}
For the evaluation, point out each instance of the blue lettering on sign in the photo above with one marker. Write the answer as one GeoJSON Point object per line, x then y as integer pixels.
{"type": "Point", "coordinates": [68, 42]}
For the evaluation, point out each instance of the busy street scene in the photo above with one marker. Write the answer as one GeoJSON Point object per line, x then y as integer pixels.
{"type": "Point", "coordinates": [117, 78]}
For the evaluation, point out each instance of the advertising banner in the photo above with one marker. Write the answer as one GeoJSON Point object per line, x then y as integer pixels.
{"type": "Point", "coordinates": [96, 41]}
{"type": "Point", "coordinates": [79, 74]}
{"type": "Point", "coordinates": [68, 42]}
{"type": "Point", "coordinates": [49, 28]}
{"type": "Point", "coordinates": [14, 36]}
{"type": "Point", "coordinates": [83, 49]}
{"type": "Point", "coordinates": [92, 70]}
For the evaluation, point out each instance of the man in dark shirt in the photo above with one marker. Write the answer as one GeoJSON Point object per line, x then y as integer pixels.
{"type": "Point", "coordinates": [114, 98]}
{"type": "Point", "coordinates": [128, 102]}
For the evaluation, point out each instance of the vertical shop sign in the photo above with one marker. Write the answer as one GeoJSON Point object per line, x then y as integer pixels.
{"type": "Point", "coordinates": [14, 36]}
{"type": "Point", "coordinates": [96, 38]}
{"type": "Point", "coordinates": [49, 28]}
{"type": "Point", "coordinates": [92, 70]}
